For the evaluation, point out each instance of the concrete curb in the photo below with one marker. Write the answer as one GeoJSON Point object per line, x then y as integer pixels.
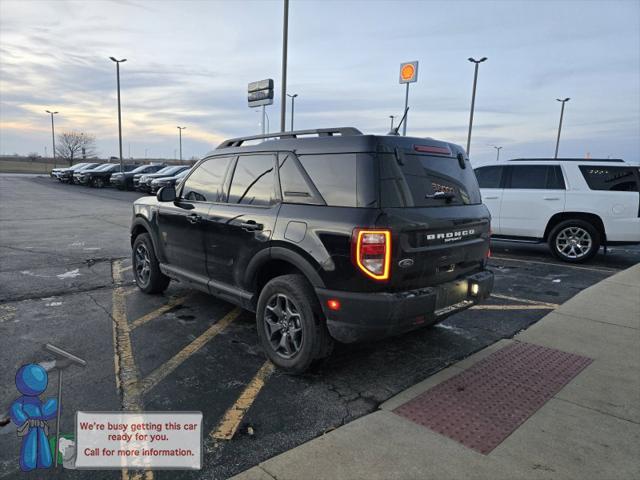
{"type": "Point", "coordinates": [590, 429]}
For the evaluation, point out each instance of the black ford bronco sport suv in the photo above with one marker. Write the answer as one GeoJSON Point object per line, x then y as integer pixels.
{"type": "Point", "coordinates": [325, 234]}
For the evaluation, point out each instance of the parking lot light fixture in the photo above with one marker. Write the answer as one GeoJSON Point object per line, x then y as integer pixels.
{"type": "Point", "coordinates": [473, 97]}
{"type": "Point", "coordinates": [180, 133]}
{"type": "Point", "coordinates": [53, 136]}
{"type": "Point", "coordinates": [563, 101]}
{"type": "Point", "coordinates": [293, 104]}
{"type": "Point", "coordinates": [497, 152]}
{"type": "Point", "coordinates": [118, 62]}
{"type": "Point", "coordinates": [391, 117]}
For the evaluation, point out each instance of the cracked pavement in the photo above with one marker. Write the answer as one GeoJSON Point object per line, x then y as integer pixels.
{"type": "Point", "coordinates": [57, 247]}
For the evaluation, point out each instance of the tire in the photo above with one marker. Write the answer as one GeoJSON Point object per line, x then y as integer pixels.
{"type": "Point", "coordinates": [98, 182]}
{"type": "Point", "coordinates": [303, 322]}
{"type": "Point", "coordinates": [146, 269]}
{"type": "Point", "coordinates": [574, 241]}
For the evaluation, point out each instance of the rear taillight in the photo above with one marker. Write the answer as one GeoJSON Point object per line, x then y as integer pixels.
{"type": "Point", "coordinates": [371, 252]}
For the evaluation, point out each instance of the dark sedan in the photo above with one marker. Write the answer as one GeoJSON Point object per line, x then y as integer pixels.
{"type": "Point", "coordinates": [99, 177]}
{"type": "Point", "coordinates": [144, 182]}
{"type": "Point", "coordinates": [65, 175]}
{"type": "Point", "coordinates": [158, 183]}
{"type": "Point", "coordinates": [124, 180]}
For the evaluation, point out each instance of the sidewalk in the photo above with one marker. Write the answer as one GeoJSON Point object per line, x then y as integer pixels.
{"type": "Point", "coordinates": [590, 428]}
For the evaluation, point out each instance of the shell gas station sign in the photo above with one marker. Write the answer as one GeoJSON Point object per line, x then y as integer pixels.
{"type": "Point", "coordinates": [409, 72]}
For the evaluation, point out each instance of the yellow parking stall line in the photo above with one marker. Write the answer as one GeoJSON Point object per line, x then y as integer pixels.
{"type": "Point", "coordinates": [524, 300]}
{"type": "Point", "coordinates": [127, 376]}
{"type": "Point", "coordinates": [164, 370]}
{"type": "Point", "coordinates": [157, 312]}
{"type": "Point", "coordinates": [233, 417]}
{"type": "Point", "coordinates": [513, 307]}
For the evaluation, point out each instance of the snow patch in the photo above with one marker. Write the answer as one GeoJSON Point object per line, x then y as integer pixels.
{"type": "Point", "coordinates": [70, 274]}
{"type": "Point", "coordinates": [53, 304]}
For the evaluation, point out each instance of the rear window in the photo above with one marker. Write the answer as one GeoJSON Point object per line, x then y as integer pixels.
{"type": "Point", "coordinates": [334, 176]}
{"type": "Point", "coordinates": [416, 181]}
{"type": "Point", "coordinates": [617, 179]}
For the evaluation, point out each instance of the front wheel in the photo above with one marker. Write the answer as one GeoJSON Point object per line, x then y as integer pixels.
{"type": "Point", "coordinates": [290, 324]}
{"type": "Point", "coordinates": [574, 241]}
{"type": "Point", "coordinates": [146, 269]}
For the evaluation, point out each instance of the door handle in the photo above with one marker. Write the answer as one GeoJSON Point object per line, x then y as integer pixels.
{"type": "Point", "coordinates": [551, 198]}
{"type": "Point", "coordinates": [490, 198]}
{"type": "Point", "coordinates": [251, 226]}
{"type": "Point", "coordinates": [194, 218]}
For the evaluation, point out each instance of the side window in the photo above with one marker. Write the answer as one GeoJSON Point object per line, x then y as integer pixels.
{"type": "Point", "coordinates": [555, 180]}
{"type": "Point", "coordinates": [252, 182]}
{"type": "Point", "coordinates": [618, 179]}
{"type": "Point", "coordinates": [489, 177]}
{"type": "Point", "coordinates": [334, 176]}
{"type": "Point", "coordinates": [205, 183]}
{"type": "Point", "coordinates": [528, 177]}
{"type": "Point", "coordinates": [294, 186]}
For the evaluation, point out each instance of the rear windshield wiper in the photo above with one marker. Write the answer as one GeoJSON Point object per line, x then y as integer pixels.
{"type": "Point", "coordinates": [448, 196]}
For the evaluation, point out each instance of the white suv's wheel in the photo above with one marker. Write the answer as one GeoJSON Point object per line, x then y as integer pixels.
{"type": "Point", "coordinates": [574, 241]}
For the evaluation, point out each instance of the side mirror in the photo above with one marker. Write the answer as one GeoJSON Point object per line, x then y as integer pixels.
{"type": "Point", "coordinates": [166, 194]}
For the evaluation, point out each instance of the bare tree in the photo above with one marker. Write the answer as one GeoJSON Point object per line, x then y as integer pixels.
{"type": "Point", "coordinates": [73, 145]}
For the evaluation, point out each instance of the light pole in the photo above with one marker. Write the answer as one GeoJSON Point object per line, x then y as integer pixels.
{"type": "Point", "coordinates": [53, 136]}
{"type": "Point", "coordinates": [293, 104]}
{"type": "Point", "coordinates": [497, 152]}
{"type": "Point", "coordinates": [563, 101]}
{"type": "Point", "coordinates": [473, 97]}
{"type": "Point", "coordinates": [392, 117]}
{"type": "Point", "coordinates": [118, 62]}
{"type": "Point", "coordinates": [285, 36]}
{"type": "Point", "coordinates": [180, 132]}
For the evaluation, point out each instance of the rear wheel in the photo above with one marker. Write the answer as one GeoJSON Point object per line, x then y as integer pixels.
{"type": "Point", "coordinates": [574, 241]}
{"type": "Point", "coordinates": [98, 182]}
{"type": "Point", "coordinates": [146, 269]}
{"type": "Point", "coordinates": [290, 324]}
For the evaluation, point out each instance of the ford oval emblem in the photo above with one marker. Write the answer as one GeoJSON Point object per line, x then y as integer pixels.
{"type": "Point", "coordinates": [405, 263]}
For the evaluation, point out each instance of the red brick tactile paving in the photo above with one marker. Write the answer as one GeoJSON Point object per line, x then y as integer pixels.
{"type": "Point", "coordinates": [484, 404]}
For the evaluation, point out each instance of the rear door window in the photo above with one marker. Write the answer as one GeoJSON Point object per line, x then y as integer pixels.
{"type": "Point", "coordinates": [414, 180]}
{"type": "Point", "coordinates": [253, 181]}
{"type": "Point", "coordinates": [293, 185]}
{"type": "Point", "coordinates": [489, 177]}
{"type": "Point", "coordinates": [535, 177]}
{"type": "Point", "coordinates": [617, 179]}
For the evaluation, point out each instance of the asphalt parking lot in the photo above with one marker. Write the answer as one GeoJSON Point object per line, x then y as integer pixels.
{"type": "Point", "coordinates": [65, 278]}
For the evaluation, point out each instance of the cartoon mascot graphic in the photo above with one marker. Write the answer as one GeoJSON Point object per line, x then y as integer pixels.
{"type": "Point", "coordinates": [30, 415]}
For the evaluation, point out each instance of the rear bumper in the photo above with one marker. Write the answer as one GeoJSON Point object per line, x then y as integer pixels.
{"type": "Point", "coordinates": [366, 316]}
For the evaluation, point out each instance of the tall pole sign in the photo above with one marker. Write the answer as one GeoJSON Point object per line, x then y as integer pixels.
{"type": "Point", "coordinates": [260, 94]}
{"type": "Point", "coordinates": [408, 74]}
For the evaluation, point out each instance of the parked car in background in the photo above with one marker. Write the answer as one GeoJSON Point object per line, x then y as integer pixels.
{"type": "Point", "coordinates": [124, 180]}
{"type": "Point", "coordinates": [144, 183]}
{"type": "Point", "coordinates": [66, 175]}
{"type": "Point", "coordinates": [574, 205]}
{"type": "Point", "coordinates": [55, 172]}
{"type": "Point", "coordinates": [87, 177]}
{"type": "Point", "coordinates": [325, 234]}
{"type": "Point", "coordinates": [158, 183]}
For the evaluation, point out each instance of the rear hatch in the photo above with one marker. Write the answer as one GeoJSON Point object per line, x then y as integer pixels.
{"type": "Point", "coordinates": [431, 202]}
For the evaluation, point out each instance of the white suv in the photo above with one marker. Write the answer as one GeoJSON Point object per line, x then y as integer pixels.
{"type": "Point", "coordinates": [575, 205]}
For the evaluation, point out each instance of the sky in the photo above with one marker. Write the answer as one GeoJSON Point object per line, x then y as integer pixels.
{"type": "Point", "coordinates": [189, 63]}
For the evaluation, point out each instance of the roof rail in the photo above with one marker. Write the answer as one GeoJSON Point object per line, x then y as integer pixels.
{"type": "Point", "coordinates": [617, 160]}
{"type": "Point", "coordinates": [321, 132]}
